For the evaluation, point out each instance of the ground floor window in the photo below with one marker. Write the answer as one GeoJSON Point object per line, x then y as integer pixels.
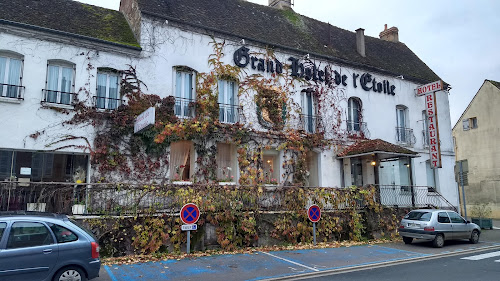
{"type": "Point", "coordinates": [312, 176]}
{"type": "Point", "coordinates": [43, 166]}
{"type": "Point", "coordinates": [181, 160]}
{"type": "Point", "coordinates": [226, 163]}
{"type": "Point", "coordinates": [271, 167]}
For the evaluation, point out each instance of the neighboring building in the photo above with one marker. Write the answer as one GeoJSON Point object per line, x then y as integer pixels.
{"type": "Point", "coordinates": [476, 136]}
{"type": "Point", "coordinates": [332, 88]}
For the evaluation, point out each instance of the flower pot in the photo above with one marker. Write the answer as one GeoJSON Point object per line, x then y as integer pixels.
{"type": "Point", "coordinates": [483, 223]}
{"type": "Point", "coordinates": [78, 209]}
{"type": "Point", "coordinates": [37, 207]}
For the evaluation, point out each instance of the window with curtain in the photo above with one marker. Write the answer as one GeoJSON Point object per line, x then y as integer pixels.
{"type": "Point", "coordinates": [271, 167]}
{"type": "Point", "coordinates": [228, 101]}
{"type": "Point", "coordinates": [308, 111]}
{"type": "Point", "coordinates": [10, 76]}
{"type": "Point", "coordinates": [312, 175]}
{"type": "Point", "coordinates": [425, 130]}
{"type": "Point", "coordinates": [107, 90]}
{"type": "Point", "coordinates": [184, 92]}
{"type": "Point", "coordinates": [226, 163]}
{"type": "Point", "coordinates": [180, 160]}
{"type": "Point", "coordinates": [353, 115]}
{"type": "Point", "coordinates": [60, 83]}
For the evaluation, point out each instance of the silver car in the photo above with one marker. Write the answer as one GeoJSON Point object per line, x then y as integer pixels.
{"type": "Point", "coordinates": [43, 246]}
{"type": "Point", "coordinates": [437, 226]}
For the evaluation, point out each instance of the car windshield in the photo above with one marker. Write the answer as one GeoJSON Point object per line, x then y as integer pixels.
{"type": "Point", "coordinates": [418, 216]}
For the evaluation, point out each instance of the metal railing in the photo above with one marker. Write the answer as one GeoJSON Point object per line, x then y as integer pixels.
{"type": "Point", "coordinates": [358, 128]}
{"type": "Point", "coordinates": [113, 199]}
{"type": "Point", "coordinates": [58, 97]}
{"type": "Point", "coordinates": [107, 103]}
{"type": "Point", "coordinates": [229, 113]}
{"type": "Point", "coordinates": [412, 197]}
{"type": "Point", "coordinates": [12, 91]}
{"type": "Point", "coordinates": [405, 136]}
{"type": "Point", "coordinates": [184, 108]}
{"type": "Point", "coordinates": [310, 123]}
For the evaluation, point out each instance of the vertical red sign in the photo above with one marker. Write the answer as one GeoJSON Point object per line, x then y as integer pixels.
{"type": "Point", "coordinates": [432, 122]}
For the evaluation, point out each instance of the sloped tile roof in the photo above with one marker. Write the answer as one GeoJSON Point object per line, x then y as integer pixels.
{"type": "Point", "coordinates": [72, 17]}
{"type": "Point", "coordinates": [376, 145]}
{"type": "Point", "coordinates": [495, 83]}
{"type": "Point", "coordinates": [289, 29]}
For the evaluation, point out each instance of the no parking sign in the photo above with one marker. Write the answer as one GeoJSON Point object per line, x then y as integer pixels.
{"type": "Point", "coordinates": [314, 213]}
{"type": "Point", "coordinates": [190, 213]}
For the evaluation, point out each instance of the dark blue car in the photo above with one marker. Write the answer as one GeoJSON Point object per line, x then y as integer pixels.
{"type": "Point", "coordinates": [43, 246]}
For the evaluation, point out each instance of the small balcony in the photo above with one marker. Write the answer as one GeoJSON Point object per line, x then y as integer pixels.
{"type": "Point", "coordinates": [310, 123]}
{"type": "Point", "coordinates": [229, 113]}
{"type": "Point", "coordinates": [12, 91]}
{"type": "Point", "coordinates": [357, 129]}
{"type": "Point", "coordinates": [405, 136]}
{"type": "Point", "coordinates": [58, 97]}
{"type": "Point", "coordinates": [107, 103]}
{"type": "Point", "coordinates": [184, 108]}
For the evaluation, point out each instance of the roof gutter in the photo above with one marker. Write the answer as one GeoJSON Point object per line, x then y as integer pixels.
{"type": "Point", "coordinates": [69, 34]}
{"type": "Point", "coordinates": [334, 59]}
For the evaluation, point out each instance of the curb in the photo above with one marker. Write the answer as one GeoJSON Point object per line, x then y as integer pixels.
{"type": "Point", "coordinates": [378, 265]}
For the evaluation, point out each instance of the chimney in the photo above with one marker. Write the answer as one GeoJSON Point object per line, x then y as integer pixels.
{"type": "Point", "coordinates": [390, 34]}
{"type": "Point", "coordinates": [280, 4]}
{"type": "Point", "coordinates": [360, 41]}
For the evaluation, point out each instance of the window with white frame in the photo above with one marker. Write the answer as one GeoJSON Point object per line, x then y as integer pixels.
{"type": "Point", "coordinates": [10, 75]}
{"type": "Point", "coordinates": [108, 96]}
{"type": "Point", "coordinates": [403, 133]}
{"type": "Point", "coordinates": [228, 101]}
{"type": "Point", "coordinates": [184, 92]}
{"type": "Point", "coordinates": [309, 117]}
{"type": "Point", "coordinates": [60, 83]}
{"type": "Point", "coordinates": [181, 160]}
{"type": "Point", "coordinates": [353, 115]}
{"type": "Point", "coordinates": [226, 163]}
{"type": "Point", "coordinates": [425, 129]}
{"type": "Point", "coordinates": [271, 167]}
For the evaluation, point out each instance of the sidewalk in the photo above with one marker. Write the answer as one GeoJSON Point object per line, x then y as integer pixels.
{"type": "Point", "coordinates": [279, 264]}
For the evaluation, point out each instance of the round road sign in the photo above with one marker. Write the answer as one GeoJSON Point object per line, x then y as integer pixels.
{"type": "Point", "coordinates": [314, 213]}
{"type": "Point", "coordinates": [190, 213]}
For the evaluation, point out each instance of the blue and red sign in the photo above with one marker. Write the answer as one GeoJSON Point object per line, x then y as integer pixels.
{"type": "Point", "coordinates": [314, 213]}
{"type": "Point", "coordinates": [190, 213]}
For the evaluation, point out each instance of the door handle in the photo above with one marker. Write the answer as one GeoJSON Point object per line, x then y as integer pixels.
{"type": "Point", "coordinates": [47, 251]}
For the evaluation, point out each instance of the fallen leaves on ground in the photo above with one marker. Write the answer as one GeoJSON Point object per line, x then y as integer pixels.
{"type": "Point", "coordinates": [132, 259]}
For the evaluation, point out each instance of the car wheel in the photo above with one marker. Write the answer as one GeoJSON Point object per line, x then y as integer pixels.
{"type": "Point", "coordinates": [70, 273]}
{"type": "Point", "coordinates": [438, 241]}
{"type": "Point", "coordinates": [474, 237]}
{"type": "Point", "coordinates": [407, 240]}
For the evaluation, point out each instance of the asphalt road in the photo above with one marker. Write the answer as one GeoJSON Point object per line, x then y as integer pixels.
{"type": "Point", "coordinates": [484, 265]}
{"type": "Point", "coordinates": [282, 265]}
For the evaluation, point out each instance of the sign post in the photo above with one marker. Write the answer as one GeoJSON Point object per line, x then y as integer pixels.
{"type": "Point", "coordinates": [314, 214]}
{"type": "Point", "coordinates": [189, 215]}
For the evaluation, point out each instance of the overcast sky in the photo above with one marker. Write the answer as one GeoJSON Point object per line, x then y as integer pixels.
{"type": "Point", "coordinates": [458, 39]}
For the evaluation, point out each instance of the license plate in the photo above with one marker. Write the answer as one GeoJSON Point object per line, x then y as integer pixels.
{"type": "Point", "coordinates": [413, 225]}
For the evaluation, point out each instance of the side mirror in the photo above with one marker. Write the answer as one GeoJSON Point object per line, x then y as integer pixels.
{"type": "Point", "coordinates": [467, 221]}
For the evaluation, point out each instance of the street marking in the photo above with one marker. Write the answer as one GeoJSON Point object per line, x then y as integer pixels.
{"type": "Point", "coordinates": [483, 256]}
{"type": "Point", "coordinates": [497, 261]}
{"type": "Point", "coordinates": [111, 275]}
{"type": "Point", "coordinates": [496, 227]}
{"type": "Point", "coordinates": [296, 263]}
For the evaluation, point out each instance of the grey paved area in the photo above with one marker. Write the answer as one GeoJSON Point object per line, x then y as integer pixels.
{"type": "Point", "coordinates": [278, 264]}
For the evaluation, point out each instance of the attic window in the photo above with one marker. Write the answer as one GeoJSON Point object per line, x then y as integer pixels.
{"type": "Point", "coordinates": [465, 124]}
{"type": "Point", "coordinates": [473, 123]}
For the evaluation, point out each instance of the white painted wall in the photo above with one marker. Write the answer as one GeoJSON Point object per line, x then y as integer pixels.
{"type": "Point", "coordinates": [166, 46]}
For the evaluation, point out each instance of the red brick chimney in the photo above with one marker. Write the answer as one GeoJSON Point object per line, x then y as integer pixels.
{"type": "Point", "coordinates": [390, 34]}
